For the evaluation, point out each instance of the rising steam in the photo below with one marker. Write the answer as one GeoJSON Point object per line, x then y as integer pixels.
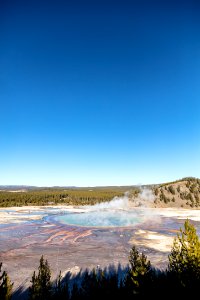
{"type": "Point", "coordinates": [115, 203]}
{"type": "Point", "coordinates": [120, 211]}
{"type": "Point", "coordinates": [145, 198]}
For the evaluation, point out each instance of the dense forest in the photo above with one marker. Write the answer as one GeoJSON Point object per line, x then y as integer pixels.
{"type": "Point", "coordinates": [180, 193]}
{"type": "Point", "coordinates": [60, 196]}
{"type": "Point", "coordinates": [140, 279]}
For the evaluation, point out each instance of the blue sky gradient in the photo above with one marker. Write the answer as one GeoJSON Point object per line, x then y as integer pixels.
{"type": "Point", "coordinates": [99, 92]}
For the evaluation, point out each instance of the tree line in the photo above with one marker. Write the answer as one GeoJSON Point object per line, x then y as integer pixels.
{"type": "Point", "coordinates": [54, 197]}
{"type": "Point", "coordinates": [140, 280]}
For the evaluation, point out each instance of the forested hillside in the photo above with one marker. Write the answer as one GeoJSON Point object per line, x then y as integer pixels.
{"type": "Point", "coordinates": [181, 193]}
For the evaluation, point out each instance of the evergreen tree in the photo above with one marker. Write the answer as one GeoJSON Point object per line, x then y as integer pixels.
{"type": "Point", "coordinates": [184, 259]}
{"type": "Point", "coordinates": [5, 285]}
{"type": "Point", "coordinates": [61, 289]}
{"type": "Point", "coordinates": [139, 273]}
{"type": "Point", "coordinates": [90, 285]}
{"type": "Point", "coordinates": [75, 292]}
{"type": "Point", "coordinates": [34, 289]}
{"type": "Point", "coordinates": [110, 286]}
{"type": "Point", "coordinates": [41, 284]}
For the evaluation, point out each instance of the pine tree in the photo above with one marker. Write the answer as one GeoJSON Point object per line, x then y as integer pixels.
{"type": "Point", "coordinates": [184, 259]}
{"type": "Point", "coordinates": [90, 285]}
{"type": "Point", "coordinates": [61, 289]}
{"type": "Point", "coordinates": [5, 285]}
{"type": "Point", "coordinates": [41, 284]}
{"type": "Point", "coordinates": [139, 273]}
{"type": "Point", "coordinates": [75, 292]}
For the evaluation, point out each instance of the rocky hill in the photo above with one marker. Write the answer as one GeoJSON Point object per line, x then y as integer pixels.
{"type": "Point", "coordinates": [183, 193]}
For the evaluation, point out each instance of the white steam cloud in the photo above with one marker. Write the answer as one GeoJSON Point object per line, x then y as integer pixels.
{"type": "Point", "coordinates": [115, 203]}
{"type": "Point", "coordinates": [145, 198]}
{"type": "Point", "coordinates": [121, 211]}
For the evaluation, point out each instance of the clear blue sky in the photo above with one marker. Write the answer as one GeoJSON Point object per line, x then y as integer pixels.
{"type": "Point", "coordinates": [99, 92]}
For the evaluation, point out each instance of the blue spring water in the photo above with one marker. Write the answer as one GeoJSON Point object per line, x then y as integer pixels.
{"type": "Point", "coordinates": [102, 218]}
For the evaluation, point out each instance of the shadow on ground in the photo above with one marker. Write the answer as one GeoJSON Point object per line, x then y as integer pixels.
{"type": "Point", "coordinates": [86, 284]}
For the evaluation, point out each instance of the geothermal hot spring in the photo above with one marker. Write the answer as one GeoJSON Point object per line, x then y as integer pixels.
{"type": "Point", "coordinates": [120, 212]}
{"type": "Point", "coordinates": [117, 213]}
{"type": "Point", "coordinates": [75, 238]}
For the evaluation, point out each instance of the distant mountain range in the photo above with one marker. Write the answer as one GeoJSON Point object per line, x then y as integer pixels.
{"type": "Point", "coordinates": [31, 187]}
{"type": "Point", "coordinates": [126, 187]}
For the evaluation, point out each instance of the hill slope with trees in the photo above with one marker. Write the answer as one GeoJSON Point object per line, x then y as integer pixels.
{"type": "Point", "coordinates": [183, 193]}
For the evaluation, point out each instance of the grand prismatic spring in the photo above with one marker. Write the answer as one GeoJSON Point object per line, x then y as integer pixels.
{"type": "Point", "coordinates": [75, 238]}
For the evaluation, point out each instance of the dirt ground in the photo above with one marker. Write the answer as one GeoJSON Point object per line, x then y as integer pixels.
{"type": "Point", "coordinates": [26, 235]}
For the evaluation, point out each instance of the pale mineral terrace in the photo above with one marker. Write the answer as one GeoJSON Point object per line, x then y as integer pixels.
{"type": "Point", "coordinates": [26, 233]}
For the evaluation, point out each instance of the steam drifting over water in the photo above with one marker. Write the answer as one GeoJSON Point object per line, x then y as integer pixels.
{"type": "Point", "coordinates": [121, 211]}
